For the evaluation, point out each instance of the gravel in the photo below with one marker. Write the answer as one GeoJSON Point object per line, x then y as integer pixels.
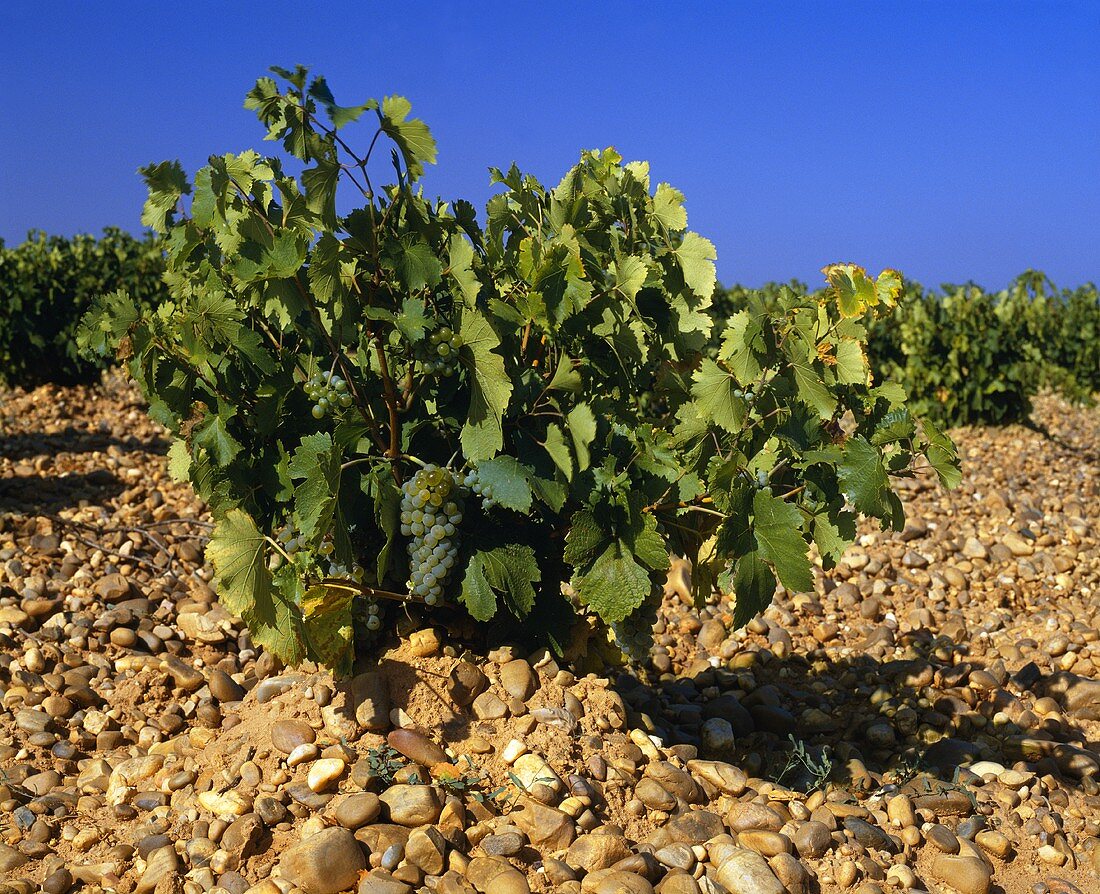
{"type": "Point", "coordinates": [927, 720]}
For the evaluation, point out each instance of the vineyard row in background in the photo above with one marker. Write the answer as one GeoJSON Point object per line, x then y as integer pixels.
{"type": "Point", "coordinates": [964, 354]}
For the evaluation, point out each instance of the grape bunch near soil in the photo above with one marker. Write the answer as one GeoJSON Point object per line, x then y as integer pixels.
{"type": "Point", "coordinates": [431, 511]}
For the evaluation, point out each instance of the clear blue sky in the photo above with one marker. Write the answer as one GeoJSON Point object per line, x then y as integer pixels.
{"type": "Point", "coordinates": [951, 140]}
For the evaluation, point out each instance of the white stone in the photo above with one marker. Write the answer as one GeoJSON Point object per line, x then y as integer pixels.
{"type": "Point", "coordinates": [301, 754]}
{"type": "Point", "coordinates": [323, 773]}
{"type": "Point", "coordinates": [532, 770]}
{"type": "Point", "coordinates": [512, 751]}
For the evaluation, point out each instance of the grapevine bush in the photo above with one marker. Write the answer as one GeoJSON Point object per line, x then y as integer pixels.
{"type": "Point", "coordinates": [970, 356]}
{"type": "Point", "coordinates": [520, 414]}
{"type": "Point", "coordinates": [47, 283]}
{"type": "Point", "coordinates": [966, 355]}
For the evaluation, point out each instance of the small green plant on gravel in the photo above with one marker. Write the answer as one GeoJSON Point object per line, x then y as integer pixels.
{"type": "Point", "coordinates": [384, 763]}
{"type": "Point", "coordinates": [447, 410]}
{"type": "Point", "coordinates": [800, 762]}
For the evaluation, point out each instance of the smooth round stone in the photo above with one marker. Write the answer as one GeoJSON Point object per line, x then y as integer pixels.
{"type": "Point", "coordinates": [304, 795]}
{"type": "Point", "coordinates": [123, 637]}
{"type": "Point", "coordinates": [676, 856]}
{"type": "Point", "coordinates": [324, 863]}
{"type": "Point", "coordinates": [417, 747]}
{"type": "Point", "coordinates": [412, 805]}
{"type": "Point", "coordinates": [767, 843]}
{"type": "Point", "coordinates": [518, 679]}
{"type": "Point", "coordinates": [900, 811]}
{"type": "Point", "coordinates": [302, 754]}
{"type": "Point", "coordinates": [502, 844]}
{"type": "Point", "coordinates": [744, 816]}
{"type": "Point", "coordinates": [986, 768]}
{"type": "Point", "coordinates": [324, 773]}
{"type": "Point", "coordinates": [272, 688]}
{"type": "Point", "coordinates": [967, 875]}
{"type": "Point", "coordinates": [812, 839]}
{"type": "Point", "coordinates": [286, 735]}
{"type": "Point", "coordinates": [618, 882]}
{"type": "Point", "coordinates": [272, 812]}
{"type": "Point", "coordinates": [943, 838]}
{"type": "Point", "coordinates": [59, 882]}
{"type": "Point", "coordinates": [223, 687]}
{"type": "Point", "coordinates": [995, 843]}
{"type": "Point", "coordinates": [592, 852]}
{"type": "Point", "coordinates": [867, 834]}
{"type": "Point", "coordinates": [182, 779]}
{"type": "Point", "coordinates": [679, 882]}
{"type": "Point", "coordinates": [358, 810]}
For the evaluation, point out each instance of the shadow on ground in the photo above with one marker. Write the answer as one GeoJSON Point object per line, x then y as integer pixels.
{"type": "Point", "coordinates": [22, 446]}
{"type": "Point", "coordinates": [51, 493]}
{"type": "Point", "coordinates": [809, 720]}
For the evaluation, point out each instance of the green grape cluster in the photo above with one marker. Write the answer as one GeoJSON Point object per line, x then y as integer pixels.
{"type": "Point", "coordinates": [473, 483]}
{"type": "Point", "coordinates": [761, 481]}
{"type": "Point", "coordinates": [431, 511]}
{"type": "Point", "coordinates": [329, 393]}
{"type": "Point", "coordinates": [634, 634]}
{"type": "Point", "coordinates": [438, 354]}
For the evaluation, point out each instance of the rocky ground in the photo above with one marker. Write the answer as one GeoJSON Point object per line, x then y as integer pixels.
{"type": "Point", "coordinates": [928, 721]}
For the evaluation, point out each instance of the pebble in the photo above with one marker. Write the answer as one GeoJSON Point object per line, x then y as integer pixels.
{"type": "Point", "coordinates": [596, 851]}
{"type": "Point", "coordinates": [995, 843]}
{"type": "Point", "coordinates": [518, 679]}
{"type": "Point", "coordinates": [324, 773]}
{"type": "Point", "coordinates": [812, 839]}
{"type": "Point", "coordinates": [743, 871]}
{"type": "Point", "coordinates": [416, 747]}
{"type": "Point", "coordinates": [967, 875]}
{"type": "Point", "coordinates": [159, 864]}
{"type": "Point", "coordinates": [357, 810]}
{"type": "Point", "coordinates": [943, 838]}
{"type": "Point", "coordinates": [326, 862]}
{"type": "Point", "coordinates": [412, 805]}
{"type": "Point", "coordinates": [286, 735]}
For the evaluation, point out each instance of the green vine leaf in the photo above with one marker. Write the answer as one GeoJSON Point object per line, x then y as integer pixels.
{"type": "Point", "coordinates": [753, 588]}
{"type": "Point", "coordinates": [863, 476]}
{"type": "Point", "coordinates": [777, 527]}
{"type": "Point", "coordinates": [483, 434]}
{"type": "Point", "coordinates": [237, 550]}
{"type": "Point", "coordinates": [510, 571]}
{"type": "Point", "coordinates": [696, 257]}
{"type": "Point", "coordinates": [615, 585]}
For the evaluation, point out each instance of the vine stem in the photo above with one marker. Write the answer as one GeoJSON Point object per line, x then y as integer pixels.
{"type": "Point", "coordinates": [390, 393]}
{"type": "Point", "coordinates": [340, 583]}
{"type": "Point", "coordinates": [370, 459]}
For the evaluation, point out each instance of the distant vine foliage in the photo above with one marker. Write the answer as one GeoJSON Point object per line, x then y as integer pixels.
{"type": "Point", "coordinates": [47, 283]}
{"type": "Point", "coordinates": [530, 399]}
{"type": "Point", "coordinates": [967, 356]}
